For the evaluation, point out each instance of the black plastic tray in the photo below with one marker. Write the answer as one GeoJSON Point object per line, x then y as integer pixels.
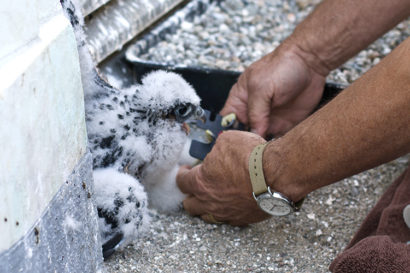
{"type": "Point", "coordinates": [212, 85]}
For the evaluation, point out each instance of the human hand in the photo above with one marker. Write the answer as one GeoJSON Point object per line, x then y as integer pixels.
{"type": "Point", "coordinates": [221, 185]}
{"type": "Point", "coordinates": [276, 92]}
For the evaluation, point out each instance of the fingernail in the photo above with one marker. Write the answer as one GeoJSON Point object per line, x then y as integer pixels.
{"type": "Point", "coordinates": [254, 131]}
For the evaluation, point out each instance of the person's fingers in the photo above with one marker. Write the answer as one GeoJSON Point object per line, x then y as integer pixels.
{"type": "Point", "coordinates": [186, 179]}
{"type": "Point", "coordinates": [238, 223]}
{"type": "Point", "coordinates": [237, 103]}
{"type": "Point", "coordinates": [209, 218]}
{"type": "Point", "coordinates": [231, 105]}
{"type": "Point", "coordinates": [259, 112]}
{"type": "Point", "coordinates": [193, 206]}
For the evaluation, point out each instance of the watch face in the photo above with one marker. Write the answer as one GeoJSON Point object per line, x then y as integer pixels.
{"type": "Point", "coordinates": [273, 206]}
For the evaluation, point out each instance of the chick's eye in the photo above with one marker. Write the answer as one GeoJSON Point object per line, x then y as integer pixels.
{"type": "Point", "coordinates": [183, 111]}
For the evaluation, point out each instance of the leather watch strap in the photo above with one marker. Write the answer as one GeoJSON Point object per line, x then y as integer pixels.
{"type": "Point", "coordinates": [256, 170]}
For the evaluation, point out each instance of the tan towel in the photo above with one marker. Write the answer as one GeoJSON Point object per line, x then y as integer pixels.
{"type": "Point", "coordinates": [382, 243]}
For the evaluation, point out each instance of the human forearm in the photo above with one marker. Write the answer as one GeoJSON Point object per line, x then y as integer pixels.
{"type": "Point", "coordinates": [278, 91]}
{"type": "Point", "coordinates": [337, 30]}
{"type": "Point", "coordinates": [366, 125]}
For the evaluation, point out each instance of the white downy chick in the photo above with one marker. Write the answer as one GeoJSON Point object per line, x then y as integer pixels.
{"type": "Point", "coordinates": [137, 133]}
{"type": "Point", "coordinates": [171, 140]}
{"type": "Point", "coordinates": [120, 199]}
{"type": "Point", "coordinates": [140, 131]}
{"type": "Point", "coordinates": [121, 208]}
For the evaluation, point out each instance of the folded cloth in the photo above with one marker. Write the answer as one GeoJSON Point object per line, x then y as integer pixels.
{"type": "Point", "coordinates": [382, 243]}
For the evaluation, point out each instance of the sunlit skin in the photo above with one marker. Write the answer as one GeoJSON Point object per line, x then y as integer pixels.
{"type": "Point", "coordinates": [366, 125]}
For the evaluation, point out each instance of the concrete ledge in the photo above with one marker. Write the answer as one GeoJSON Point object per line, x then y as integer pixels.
{"type": "Point", "coordinates": [116, 23]}
{"type": "Point", "coordinates": [88, 6]}
{"type": "Point", "coordinates": [193, 9]}
{"type": "Point", "coordinates": [65, 238]}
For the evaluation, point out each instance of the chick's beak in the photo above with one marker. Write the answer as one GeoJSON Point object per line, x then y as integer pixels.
{"type": "Point", "coordinates": [186, 128]}
{"type": "Point", "coordinates": [200, 114]}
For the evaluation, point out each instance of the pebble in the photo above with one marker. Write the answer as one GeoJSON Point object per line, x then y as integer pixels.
{"type": "Point", "coordinates": [330, 200]}
{"type": "Point", "coordinates": [311, 216]}
{"type": "Point", "coordinates": [252, 28]}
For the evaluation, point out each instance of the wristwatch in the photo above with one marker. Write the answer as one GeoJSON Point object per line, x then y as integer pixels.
{"type": "Point", "coordinates": [271, 202]}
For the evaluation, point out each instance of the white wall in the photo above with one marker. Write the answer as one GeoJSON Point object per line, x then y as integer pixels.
{"type": "Point", "coordinates": [42, 127]}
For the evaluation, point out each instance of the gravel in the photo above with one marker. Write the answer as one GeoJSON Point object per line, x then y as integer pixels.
{"type": "Point", "coordinates": [236, 33]}
{"type": "Point", "coordinates": [231, 36]}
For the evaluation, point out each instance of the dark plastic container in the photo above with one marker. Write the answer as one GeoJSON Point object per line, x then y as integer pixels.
{"type": "Point", "coordinates": [212, 85]}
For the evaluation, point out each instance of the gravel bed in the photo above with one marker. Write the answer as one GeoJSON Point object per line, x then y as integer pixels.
{"type": "Point", "coordinates": [236, 33]}
{"type": "Point", "coordinates": [232, 35]}
{"type": "Point", "coordinates": [306, 241]}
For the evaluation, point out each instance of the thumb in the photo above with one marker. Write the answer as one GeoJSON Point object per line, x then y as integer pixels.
{"type": "Point", "coordinates": [259, 108]}
{"type": "Point", "coordinates": [186, 179]}
{"type": "Point", "coordinates": [237, 103]}
{"type": "Point", "coordinates": [229, 107]}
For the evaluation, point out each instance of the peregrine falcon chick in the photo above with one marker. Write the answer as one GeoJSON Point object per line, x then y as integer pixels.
{"type": "Point", "coordinates": [141, 131]}
{"type": "Point", "coordinates": [139, 135]}
{"type": "Point", "coordinates": [136, 136]}
{"type": "Point", "coordinates": [120, 204]}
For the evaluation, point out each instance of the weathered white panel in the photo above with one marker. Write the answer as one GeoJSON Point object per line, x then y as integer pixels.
{"type": "Point", "coordinates": [16, 28]}
{"type": "Point", "coordinates": [42, 127]}
{"type": "Point", "coordinates": [20, 21]}
{"type": "Point", "coordinates": [46, 9]}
